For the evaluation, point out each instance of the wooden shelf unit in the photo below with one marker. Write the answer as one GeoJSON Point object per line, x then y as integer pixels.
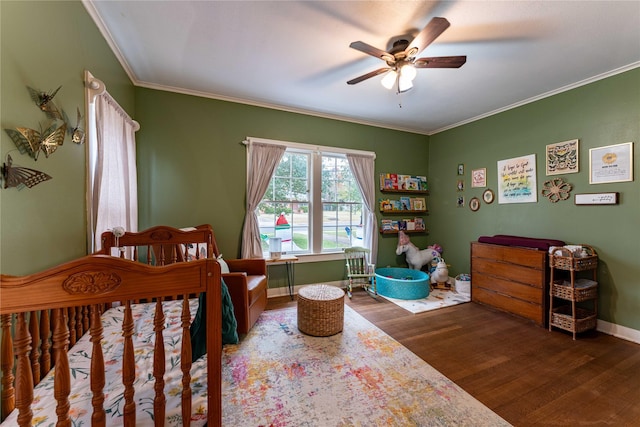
{"type": "Point", "coordinates": [575, 291]}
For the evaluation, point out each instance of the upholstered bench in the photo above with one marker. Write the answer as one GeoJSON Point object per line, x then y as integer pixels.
{"type": "Point", "coordinates": [320, 310]}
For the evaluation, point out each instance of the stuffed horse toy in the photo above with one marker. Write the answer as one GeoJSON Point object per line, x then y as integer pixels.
{"type": "Point", "coordinates": [416, 258]}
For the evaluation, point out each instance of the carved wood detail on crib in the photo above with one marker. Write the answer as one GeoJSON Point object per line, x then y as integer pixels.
{"type": "Point", "coordinates": [98, 282]}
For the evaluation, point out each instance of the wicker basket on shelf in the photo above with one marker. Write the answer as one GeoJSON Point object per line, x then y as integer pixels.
{"type": "Point", "coordinates": [564, 259]}
{"type": "Point", "coordinates": [584, 319]}
{"type": "Point", "coordinates": [583, 290]}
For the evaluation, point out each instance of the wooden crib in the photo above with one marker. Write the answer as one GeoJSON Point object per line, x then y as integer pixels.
{"type": "Point", "coordinates": [44, 315]}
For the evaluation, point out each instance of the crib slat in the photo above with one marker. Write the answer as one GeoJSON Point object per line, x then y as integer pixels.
{"type": "Point", "coordinates": [35, 344]}
{"type": "Point", "coordinates": [6, 362]}
{"type": "Point", "coordinates": [98, 418]}
{"type": "Point", "coordinates": [24, 378]}
{"type": "Point", "coordinates": [128, 368]}
{"type": "Point", "coordinates": [185, 362]}
{"type": "Point", "coordinates": [79, 322]}
{"type": "Point", "coordinates": [71, 316]}
{"type": "Point", "coordinates": [159, 363]}
{"type": "Point", "coordinates": [86, 319]}
{"type": "Point", "coordinates": [45, 344]}
{"type": "Point", "coordinates": [62, 378]}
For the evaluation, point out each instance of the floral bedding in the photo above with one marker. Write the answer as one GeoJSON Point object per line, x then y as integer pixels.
{"type": "Point", "coordinates": [44, 406]}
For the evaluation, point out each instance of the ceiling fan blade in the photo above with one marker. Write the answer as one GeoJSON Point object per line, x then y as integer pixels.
{"type": "Point", "coordinates": [373, 51]}
{"type": "Point", "coordinates": [434, 28]}
{"type": "Point", "coordinates": [440, 62]}
{"type": "Point", "coordinates": [368, 76]}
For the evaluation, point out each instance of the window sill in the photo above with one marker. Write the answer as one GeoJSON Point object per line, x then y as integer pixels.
{"type": "Point", "coordinates": [307, 258]}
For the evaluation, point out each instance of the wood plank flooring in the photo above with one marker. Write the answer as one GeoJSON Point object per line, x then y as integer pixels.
{"type": "Point", "coordinates": [526, 374]}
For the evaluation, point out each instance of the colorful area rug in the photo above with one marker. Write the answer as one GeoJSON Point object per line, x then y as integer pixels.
{"type": "Point", "coordinates": [277, 376]}
{"type": "Point", "coordinates": [438, 298]}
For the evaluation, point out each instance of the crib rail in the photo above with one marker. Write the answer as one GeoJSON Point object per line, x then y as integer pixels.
{"type": "Point", "coordinates": [42, 315]}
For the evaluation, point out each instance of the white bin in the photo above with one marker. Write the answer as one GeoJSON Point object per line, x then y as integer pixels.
{"type": "Point", "coordinates": [463, 284]}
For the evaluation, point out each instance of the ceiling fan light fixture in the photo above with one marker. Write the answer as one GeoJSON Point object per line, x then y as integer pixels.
{"type": "Point", "coordinates": [404, 84]}
{"type": "Point", "coordinates": [408, 71]}
{"type": "Point", "coordinates": [389, 80]}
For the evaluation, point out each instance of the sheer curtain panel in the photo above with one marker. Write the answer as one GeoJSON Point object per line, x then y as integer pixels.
{"type": "Point", "coordinates": [262, 161]}
{"type": "Point", "coordinates": [112, 190]}
{"type": "Point", "coordinates": [363, 169]}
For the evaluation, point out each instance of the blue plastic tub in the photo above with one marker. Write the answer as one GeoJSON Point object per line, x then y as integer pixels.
{"type": "Point", "coordinates": [402, 283]}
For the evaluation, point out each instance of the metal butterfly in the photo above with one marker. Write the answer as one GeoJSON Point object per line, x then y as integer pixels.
{"type": "Point", "coordinates": [77, 134]}
{"type": "Point", "coordinates": [44, 101]}
{"type": "Point", "coordinates": [31, 141]}
{"type": "Point", "coordinates": [20, 177]}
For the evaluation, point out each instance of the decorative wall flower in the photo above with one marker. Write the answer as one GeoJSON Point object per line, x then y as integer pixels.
{"type": "Point", "coordinates": [556, 189]}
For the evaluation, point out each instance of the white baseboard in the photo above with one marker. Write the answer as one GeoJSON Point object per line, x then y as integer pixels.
{"type": "Point", "coordinates": [617, 331]}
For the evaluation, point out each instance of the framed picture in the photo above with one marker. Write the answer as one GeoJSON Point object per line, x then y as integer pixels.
{"type": "Point", "coordinates": [479, 177]}
{"type": "Point", "coordinates": [562, 157]}
{"type": "Point", "coordinates": [488, 196]}
{"type": "Point", "coordinates": [613, 163]}
{"type": "Point", "coordinates": [460, 169]}
{"type": "Point", "coordinates": [460, 201]}
{"type": "Point", "coordinates": [517, 180]}
{"type": "Point", "coordinates": [474, 204]}
{"type": "Point", "coordinates": [460, 185]}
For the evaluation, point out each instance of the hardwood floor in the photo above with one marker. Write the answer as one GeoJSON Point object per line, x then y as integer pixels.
{"type": "Point", "coordinates": [526, 374]}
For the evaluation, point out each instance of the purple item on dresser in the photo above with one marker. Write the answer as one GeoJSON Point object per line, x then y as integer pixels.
{"type": "Point", "coordinates": [526, 242]}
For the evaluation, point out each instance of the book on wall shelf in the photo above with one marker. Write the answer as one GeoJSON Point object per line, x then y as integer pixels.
{"type": "Point", "coordinates": [408, 225]}
{"type": "Point", "coordinates": [392, 182]}
{"type": "Point", "coordinates": [403, 205]}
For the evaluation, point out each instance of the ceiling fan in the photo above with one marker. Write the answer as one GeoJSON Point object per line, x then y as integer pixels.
{"type": "Point", "coordinates": [401, 58]}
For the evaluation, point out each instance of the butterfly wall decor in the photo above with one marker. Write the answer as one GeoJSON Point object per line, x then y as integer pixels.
{"type": "Point", "coordinates": [76, 133]}
{"type": "Point", "coordinates": [19, 177]}
{"type": "Point", "coordinates": [44, 101]}
{"type": "Point", "coordinates": [31, 141]}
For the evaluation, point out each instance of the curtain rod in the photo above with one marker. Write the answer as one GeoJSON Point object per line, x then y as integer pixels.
{"type": "Point", "coordinates": [96, 88]}
{"type": "Point", "coordinates": [314, 147]}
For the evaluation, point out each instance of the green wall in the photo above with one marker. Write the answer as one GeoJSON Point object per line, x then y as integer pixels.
{"type": "Point", "coordinates": [192, 165]}
{"type": "Point", "coordinates": [602, 113]}
{"type": "Point", "coordinates": [46, 44]}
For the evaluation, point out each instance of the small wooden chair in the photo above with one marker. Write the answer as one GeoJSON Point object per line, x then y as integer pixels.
{"type": "Point", "coordinates": [360, 271]}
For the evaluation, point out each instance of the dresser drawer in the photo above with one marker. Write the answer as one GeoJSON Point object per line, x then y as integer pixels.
{"type": "Point", "coordinates": [513, 272]}
{"type": "Point", "coordinates": [534, 295]}
{"type": "Point", "coordinates": [524, 309]}
{"type": "Point", "coordinates": [520, 256]}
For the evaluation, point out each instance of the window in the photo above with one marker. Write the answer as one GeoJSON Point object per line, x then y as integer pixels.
{"type": "Point", "coordinates": [313, 203]}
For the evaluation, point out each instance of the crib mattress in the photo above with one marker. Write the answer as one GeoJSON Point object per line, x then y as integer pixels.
{"type": "Point", "coordinates": [44, 407]}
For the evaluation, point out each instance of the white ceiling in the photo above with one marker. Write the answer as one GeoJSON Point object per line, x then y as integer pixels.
{"type": "Point", "coordinates": [295, 55]}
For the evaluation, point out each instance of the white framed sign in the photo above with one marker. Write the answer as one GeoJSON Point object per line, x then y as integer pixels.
{"type": "Point", "coordinates": [596, 199]}
{"type": "Point", "coordinates": [613, 163]}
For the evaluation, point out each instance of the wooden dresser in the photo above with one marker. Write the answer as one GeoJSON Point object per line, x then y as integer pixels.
{"type": "Point", "coordinates": [511, 279]}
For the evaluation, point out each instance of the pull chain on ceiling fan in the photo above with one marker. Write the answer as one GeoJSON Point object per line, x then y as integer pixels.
{"type": "Point", "coordinates": [401, 58]}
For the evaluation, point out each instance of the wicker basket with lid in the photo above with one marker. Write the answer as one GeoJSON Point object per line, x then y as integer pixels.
{"type": "Point", "coordinates": [320, 310]}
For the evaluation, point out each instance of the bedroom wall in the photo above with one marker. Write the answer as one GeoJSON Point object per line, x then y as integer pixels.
{"type": "Point", "coordinates": [46, 44]}
{"type": "Point", "coordinates": [192, 165]}
{"type": "Point", "coordinates": [602, 113]}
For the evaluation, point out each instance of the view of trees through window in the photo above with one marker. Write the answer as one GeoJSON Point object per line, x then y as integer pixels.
{"type": "Point", "coordinates": [290, 209]}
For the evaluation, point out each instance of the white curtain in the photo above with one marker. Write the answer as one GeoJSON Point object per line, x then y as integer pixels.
{"type": "Point", "coordinates": [363, 169]}
{"type": "Point", "coordinates": [112, 193]}
{"type": "Point", "coordinates": [262, 161]}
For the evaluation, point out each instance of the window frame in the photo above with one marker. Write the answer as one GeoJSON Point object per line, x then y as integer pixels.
{"type": "Point", "coordinates": [315, 187]}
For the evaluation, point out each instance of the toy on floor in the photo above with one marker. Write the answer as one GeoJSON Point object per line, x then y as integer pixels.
{"type": "Point", "coordinates": [415, 257]}
{"type": "Point", "coordinates": [440, 276]}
